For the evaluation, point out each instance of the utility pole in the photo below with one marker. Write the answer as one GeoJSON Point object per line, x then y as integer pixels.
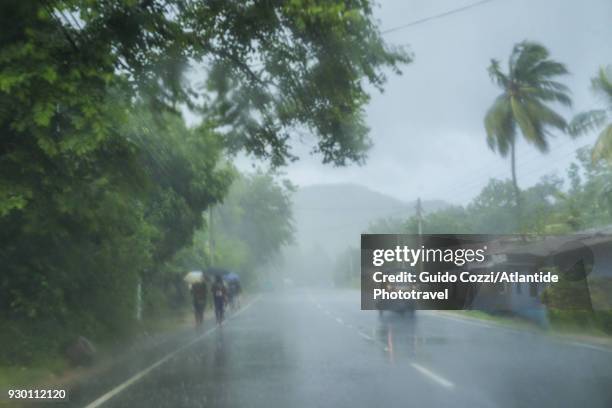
{"type": "Point", "coordinates": [211, 241]}
{"type": "Point", "coordinates": [139, 299]}
{"type": "Point", "coordinates": [419, 216]}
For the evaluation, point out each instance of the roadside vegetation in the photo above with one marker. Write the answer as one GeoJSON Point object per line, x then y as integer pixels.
{"type": "Point", "coordinates": [109, 194]}
{"type": "Point", "coordinates": [105, 187]}
{"type": "Point", "coordinates": [580, 201]}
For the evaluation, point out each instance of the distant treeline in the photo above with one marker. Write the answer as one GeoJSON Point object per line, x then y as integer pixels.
{"type": "Point", "coordinates": [551, 206]}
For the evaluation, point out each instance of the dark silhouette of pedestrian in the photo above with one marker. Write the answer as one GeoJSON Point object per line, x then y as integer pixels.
{"type": "Point", "coordinates": [219, 292]}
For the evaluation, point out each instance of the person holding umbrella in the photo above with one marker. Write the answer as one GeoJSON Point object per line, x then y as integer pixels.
{"type": "Point", "coordinates": [233, 289]}
{"type": "Point", "coordinates": [219, 293]}
{"type": "Point", "coordinates": [198, 293]}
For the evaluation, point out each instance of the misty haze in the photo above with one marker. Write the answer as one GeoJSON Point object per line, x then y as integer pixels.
{"type": "Point", "coordinates": [192, 194]}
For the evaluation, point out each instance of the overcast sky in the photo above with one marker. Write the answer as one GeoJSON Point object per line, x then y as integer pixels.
{"type": "Point", "coordinates": [427, 127]}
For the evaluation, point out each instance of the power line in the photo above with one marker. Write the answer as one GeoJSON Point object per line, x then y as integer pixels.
{"type": "Point", "coordinates": [532, 164]}
{"type": "Point", "coordinates": [436, 16]}
{"type": "Point", "coordinates": [543, 170]}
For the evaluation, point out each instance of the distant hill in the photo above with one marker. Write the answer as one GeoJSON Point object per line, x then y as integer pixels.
{"type": "Point", "coordinates": [333, 216]}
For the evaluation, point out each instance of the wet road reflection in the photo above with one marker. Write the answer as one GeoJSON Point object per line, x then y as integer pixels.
{"type": "Point", "coordinates": [311, 349]}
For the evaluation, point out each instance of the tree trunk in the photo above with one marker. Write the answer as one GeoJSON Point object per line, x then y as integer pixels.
{"type": "Point", "coordinates": [517, 192]}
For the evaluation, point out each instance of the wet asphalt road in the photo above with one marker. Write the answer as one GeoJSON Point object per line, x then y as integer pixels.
{"type": "Point", "coordinates": [318, 349]}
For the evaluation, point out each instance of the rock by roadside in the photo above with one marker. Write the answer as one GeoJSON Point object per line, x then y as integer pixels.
{"type": "Point", "coordinates": [116, 364]}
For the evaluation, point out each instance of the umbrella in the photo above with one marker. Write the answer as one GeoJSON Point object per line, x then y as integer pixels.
{"type": "Point", "coordinates": [193, 277]}
{"type": "Point", "coordinates": [231, 276]}
{"type": "Point", "coordinates": [216, 271]}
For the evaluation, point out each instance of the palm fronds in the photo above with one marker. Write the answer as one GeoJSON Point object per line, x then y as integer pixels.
{"type": "Point", "coordinates": [587, 121]}
{"type": "Point", "coordinates": [602, 83]}
{"type": "Point", "coordinates": [528, 87]}
{"type": "Point", "coordinates": [603, 146]}
{"type": "Point", "coordinates": [499, 121]}
{"type": "Point", "coordinates": [594, 119]}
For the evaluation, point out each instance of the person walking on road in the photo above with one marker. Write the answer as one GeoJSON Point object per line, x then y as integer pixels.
{"type": "Point", "coordinates": [234, 289]}
{"type": "Point", "coordinates": [219, 292]}
{"type": "Point", "coordinates": [198, 293]}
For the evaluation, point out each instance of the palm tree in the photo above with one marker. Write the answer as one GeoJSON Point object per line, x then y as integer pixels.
{"type": "Point", "coordinates": [599, 118]}
{"type": "Point", "coordinates": [528, 89]}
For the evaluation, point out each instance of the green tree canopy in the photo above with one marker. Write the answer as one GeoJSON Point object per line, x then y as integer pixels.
{"type": "Point", "coordinates": [101, 181]}
{"type": "Point", "coordinates": [270, 67]}
{"type": "Point", "coordinates": [249, 228]}
{"type": "Point", "coordinates": [258, 212]}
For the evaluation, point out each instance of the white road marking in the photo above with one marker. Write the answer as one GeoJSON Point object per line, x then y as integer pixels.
{"type": "Point", "coordinates": [435, 377]}
{"type": "Point", "coordinates": [471, 322]}
{"type": "Point", "coordinates": [585, 345]}
{"type": "Point", "coordinates": [486, 325]}
{"type": "Point", "coordinates": [365, 336]}
{"type": "Point", "coordinates": [438, 379]}
{"type": "Point", "coordinates": [121, 387]}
